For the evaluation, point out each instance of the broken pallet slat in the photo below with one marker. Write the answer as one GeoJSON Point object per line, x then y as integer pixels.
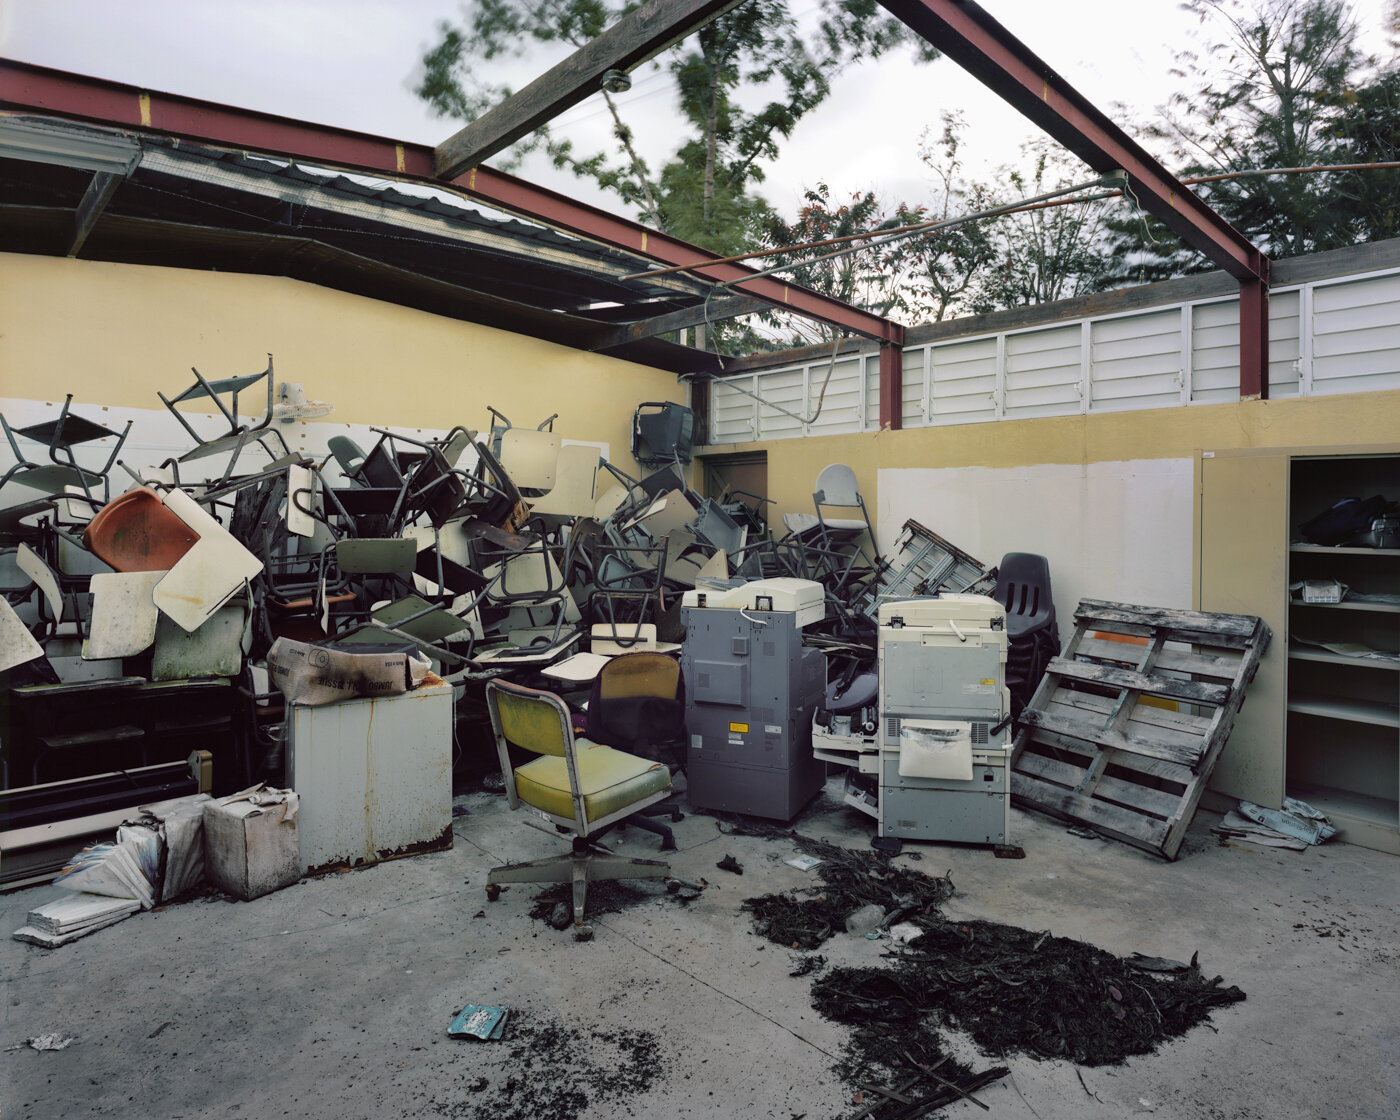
{"type": "Point", "coordinates": [1194, 692]}
{"type": "Point", "coordinates": [1198, 664]}
{"type": "Point", "coordinates": [1143, 741]}
{"type": "Point", "coordinates": [1088, 747]}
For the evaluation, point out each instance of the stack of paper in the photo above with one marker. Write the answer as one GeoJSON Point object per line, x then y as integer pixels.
{"type": "Point", "coordinates": [73, 916]}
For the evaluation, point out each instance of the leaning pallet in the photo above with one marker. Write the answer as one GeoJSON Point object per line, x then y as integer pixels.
{"type": "Point", "coordinates": [1125, 728]}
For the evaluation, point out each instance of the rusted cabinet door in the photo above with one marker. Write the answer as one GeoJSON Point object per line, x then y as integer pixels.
{"type": "Point", "coordinates": [1242, 568]}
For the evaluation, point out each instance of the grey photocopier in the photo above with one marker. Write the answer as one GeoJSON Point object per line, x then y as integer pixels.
{"type": "Point", "coordinates": [939, 753]}
{"type": "Point", "coordinates": [751, 690]}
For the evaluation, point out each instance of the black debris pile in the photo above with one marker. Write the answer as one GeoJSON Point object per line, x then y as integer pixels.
{"type": "Point", "coordinates": [850, 880]}
{"type": "Point", "coordinates": [1014, 991]}
{"type": "Point", "coordinates": [553, 1072]}
{"type": "Point", "coordinates": [905, 1075]}
{"type": "Point", "coordinates": [605, 896]}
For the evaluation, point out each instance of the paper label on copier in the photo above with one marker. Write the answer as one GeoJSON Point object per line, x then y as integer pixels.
{"type": "Point", "coordinates": [978, 689]}
{"type": "Point", "coordinates": [697, 742]}
{"type": "Point", "coordinates": [773, 728]}
{"type": "Point", "coordinates": [738, 729]}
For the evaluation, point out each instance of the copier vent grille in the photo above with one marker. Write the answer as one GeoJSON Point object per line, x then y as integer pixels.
{"type": "Point", "coordinates": [979, 734]}
{"type": "Point", "coordinates": [891, 727]}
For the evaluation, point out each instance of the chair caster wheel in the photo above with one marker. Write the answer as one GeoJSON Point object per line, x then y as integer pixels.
{"type": "Point", "coordinates": [668, 844]}
{"type": "Point", "coordinates": [677, 816]}
{"type": "Point", "coordinates": [583, 933]}
{"type": "Point", "coordinates": [493, 892]}
{"type": "Point", "coordinates": [672, 886]}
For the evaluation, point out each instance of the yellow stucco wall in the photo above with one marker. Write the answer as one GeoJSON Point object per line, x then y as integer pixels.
{"type": "Point", "coordinates": [1169, 433]}
{"type": "Point", "coordinates": [114, 334]}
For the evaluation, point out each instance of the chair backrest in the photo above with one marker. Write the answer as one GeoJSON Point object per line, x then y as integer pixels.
{"type": "Point", "coordinates": [637, 701]}
{"type": "Point", "coordinates": [836, 486]}
{"type": "Point", "coordinates": [530, 718]}
{"type": "Point", "coordinates": [536, 721]}
{"type": "Point", "coordinates": [1023, 589]}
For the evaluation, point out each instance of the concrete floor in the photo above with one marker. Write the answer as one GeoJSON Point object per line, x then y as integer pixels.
{"type": "Point", "coordinates": [331, 998]}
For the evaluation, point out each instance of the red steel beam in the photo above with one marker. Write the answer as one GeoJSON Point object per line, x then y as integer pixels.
{"type": "Point", "coordinates": [891, 387]}
{"type": "Point", "coordinates": [35, 89]}
{"type": "Point", "coordinates": [969, 36]}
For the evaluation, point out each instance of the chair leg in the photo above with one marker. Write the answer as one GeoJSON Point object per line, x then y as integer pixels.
{"type": "Point", "coordinates": [668, 838]}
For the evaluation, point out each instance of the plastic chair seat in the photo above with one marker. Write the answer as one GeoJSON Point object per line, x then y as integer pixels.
{"type": "Point", "coordinates": [138, 533]}
{"type": "Point", "coordinates": [609, 780]}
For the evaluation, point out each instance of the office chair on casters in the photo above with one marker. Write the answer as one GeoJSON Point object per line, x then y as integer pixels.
{"type": "Point", "coordinates": [575, 786]}
{"type": "Point", "coordinates": [637, 704]}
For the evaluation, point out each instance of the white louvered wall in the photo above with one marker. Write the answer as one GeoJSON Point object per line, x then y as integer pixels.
{"type": "Point", "coordinates": [1332, 336]}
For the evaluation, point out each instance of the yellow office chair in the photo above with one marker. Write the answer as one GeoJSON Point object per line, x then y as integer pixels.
{"type": "Point", "coordinates": [573, 784]}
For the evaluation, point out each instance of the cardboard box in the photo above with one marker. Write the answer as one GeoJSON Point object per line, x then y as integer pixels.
{"type": "Point", "coordinates": [251, 846]}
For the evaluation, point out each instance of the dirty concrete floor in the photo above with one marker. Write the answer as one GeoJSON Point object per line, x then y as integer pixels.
{"type": "Point", "coordinates": [331, 998]}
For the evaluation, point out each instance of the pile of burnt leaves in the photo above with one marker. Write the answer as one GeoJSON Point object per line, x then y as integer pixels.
{"type": "Point", "coordinates": [849, 880]}
{"type": "Point", "coordinates": [1012, 991]}
{"type": "Point", "coordinates": [919, 1077]}
{"type": "Point", "coordinates": [556, 1072]}
{"type": "Point", "coordinates": [605, 896]}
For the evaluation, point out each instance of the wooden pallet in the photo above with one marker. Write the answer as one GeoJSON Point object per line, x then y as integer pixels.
{"type": "Point", "coordinates": [1099, 741]}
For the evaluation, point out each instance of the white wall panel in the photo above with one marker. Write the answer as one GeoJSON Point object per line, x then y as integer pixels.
{"type": "Point", "coordinates": [1329, 337]}
{"type": "Point", "coordinates": [963, 380]}
{"type": "Point", "coordinates": [733, 416]}
{"type": "Point", "coordinates": [783, 408]}
{"type": "Point", "coordinates": [1042, 372]}
{"type": "Point", "coordinates": [1356, 335]}
{"type": "Point", "coordinates": [841, 407]}
{"type": "Point", "coordinates": [1136, 361]}
{"type": "Point", "coordinates": [1120, 531]}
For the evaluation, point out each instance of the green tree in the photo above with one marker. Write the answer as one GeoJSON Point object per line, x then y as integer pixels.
{"type": "Point", "coordinates": [1261, 94]}
{"type": "Point", "coordinates": [863, 275]}
{"type": "Point", "coordinates": [1366, 129]}
{"type": "Point", "coordinates": [945, 270]}
{"type": "Point", "coordinates": [1025, 256]}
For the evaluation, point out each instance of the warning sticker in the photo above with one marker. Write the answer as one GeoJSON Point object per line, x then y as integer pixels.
{"type": "Point", "coordinates": [738, 728]}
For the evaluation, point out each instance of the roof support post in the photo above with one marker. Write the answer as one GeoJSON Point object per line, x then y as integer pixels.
{"type": "Point", "coordinates": [1254, 340]}
{"type": "Point", "coordinates": [891, 387]}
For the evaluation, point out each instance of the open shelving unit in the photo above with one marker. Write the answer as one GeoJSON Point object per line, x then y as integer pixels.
{"type": "Point", "coordinates": [1321, 725]}
{"type": "Point", "coordinates": [1343, 724]}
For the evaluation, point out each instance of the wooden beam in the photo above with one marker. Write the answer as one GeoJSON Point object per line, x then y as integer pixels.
{"type": "Point", "coordinates": [719, 309]}
{"type": "Point", "coordinates": [628, 43]}
{"type": "Point", "coordinates": [99, 193]}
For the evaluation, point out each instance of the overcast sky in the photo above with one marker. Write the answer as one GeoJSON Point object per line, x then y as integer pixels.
{"type": "Point", "coordinates": [352, 63]}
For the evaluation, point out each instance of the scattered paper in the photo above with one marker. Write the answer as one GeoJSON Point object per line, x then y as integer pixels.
{"type": "Point", "coordinates": [803, 863]}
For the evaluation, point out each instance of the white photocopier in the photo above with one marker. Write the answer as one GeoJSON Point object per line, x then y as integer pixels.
{"type": "Point", "coordinates": [938, 749]}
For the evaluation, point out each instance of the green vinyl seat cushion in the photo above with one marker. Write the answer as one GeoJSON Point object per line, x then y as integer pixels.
{"type": "Point", "coordinates": [610, 780]}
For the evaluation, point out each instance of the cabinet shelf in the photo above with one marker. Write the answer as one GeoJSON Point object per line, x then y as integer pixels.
{"type": "Point", "coordinates": [1342, 550]}
{"type": "Point", "coordinates": [1344, 804]}
{"type": "Point", "coordinates": [1337, 659]}
{"type": "Point", "coordinates": [1353, 711]}
{"type": "Point", "coordinates": [1377, 608]}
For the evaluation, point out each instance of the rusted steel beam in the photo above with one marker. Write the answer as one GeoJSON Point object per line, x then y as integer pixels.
{"type": "Point", "coordinates": [891, 387]}
{"type": "Point", "coordinates": [1254, 340]}
{"type": "Point", "coordinates": [969, 36]}
{"type": "Point", "coordinates": [636, 37]}
{"type": "Point", "coordinates": [35, 89]}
